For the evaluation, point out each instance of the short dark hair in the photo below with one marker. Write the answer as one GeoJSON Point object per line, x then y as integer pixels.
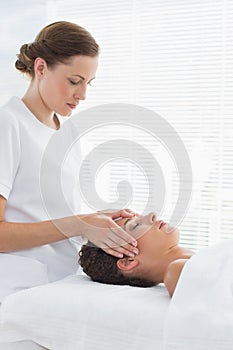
{"type": "Point", "coordinates": [102, 267]}
{"type": "Point", "coordinates": [56, 43]}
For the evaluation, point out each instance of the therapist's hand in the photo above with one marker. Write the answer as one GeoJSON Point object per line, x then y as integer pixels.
{"type": "Point", "coordinates": [100, 229]}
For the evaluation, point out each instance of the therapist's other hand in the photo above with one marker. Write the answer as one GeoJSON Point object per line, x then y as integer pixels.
{"type": "Point", "coordinates": [100, 229]}
{"type": "Point", "coordinates": [116, 213]}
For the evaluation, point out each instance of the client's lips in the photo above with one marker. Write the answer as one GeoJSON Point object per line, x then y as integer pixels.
{"type": "Point", "coordinates": [161, 224]}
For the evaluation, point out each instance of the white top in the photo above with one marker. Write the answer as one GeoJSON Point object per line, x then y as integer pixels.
{"type": "Point", "coordinates": [24, 140]}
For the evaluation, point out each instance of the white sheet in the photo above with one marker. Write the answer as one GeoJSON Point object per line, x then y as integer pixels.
{"type": "Point", "coordinates": [22, 272]}
{"type": "Point", "coordinates": [200, 315]}
{"type": "Point", "coordinates": [22, 345]}
{"type": "Point", "coordinates": [76, 313]}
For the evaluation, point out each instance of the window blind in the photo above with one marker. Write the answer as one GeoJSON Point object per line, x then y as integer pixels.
{"type": "Point", "coordinates": [175, 58]}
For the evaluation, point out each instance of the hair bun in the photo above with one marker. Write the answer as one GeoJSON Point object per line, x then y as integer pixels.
{"type": "Point", "coordinates": [24, 62]}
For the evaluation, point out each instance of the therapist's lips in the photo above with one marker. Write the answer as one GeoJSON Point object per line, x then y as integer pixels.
{"type": "Point", "coordinates": [72, 106]}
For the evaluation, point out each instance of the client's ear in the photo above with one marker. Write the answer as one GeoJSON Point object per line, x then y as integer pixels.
{"type": "Point", "coordinates": [127, 264]}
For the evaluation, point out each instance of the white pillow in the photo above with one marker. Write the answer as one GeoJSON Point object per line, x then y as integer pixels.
{"type": "Point", "coordinates": [76, 313]}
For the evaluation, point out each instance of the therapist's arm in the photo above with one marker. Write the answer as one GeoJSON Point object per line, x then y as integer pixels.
{"type": "Point", "coordinates": [17, 236]}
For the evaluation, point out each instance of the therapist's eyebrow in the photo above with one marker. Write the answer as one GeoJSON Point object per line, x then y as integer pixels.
{"type": "Point", "coordinates": [77, 75]}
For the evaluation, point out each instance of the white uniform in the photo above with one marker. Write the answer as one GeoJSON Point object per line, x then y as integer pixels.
{"type": "Point", "coordinates": [23, 142]}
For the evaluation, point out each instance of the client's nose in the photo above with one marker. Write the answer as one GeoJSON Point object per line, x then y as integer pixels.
{"type": "Point", "coordinates": [152, 217]}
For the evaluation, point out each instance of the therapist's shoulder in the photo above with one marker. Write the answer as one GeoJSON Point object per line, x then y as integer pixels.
{"type": "Point", "coordinates": [173, 273]}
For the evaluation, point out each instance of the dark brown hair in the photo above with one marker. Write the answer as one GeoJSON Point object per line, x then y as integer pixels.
{"type": "Point", "coordinates": [102, 267]}
{"type": "Point", "coordinates": [56, 43]}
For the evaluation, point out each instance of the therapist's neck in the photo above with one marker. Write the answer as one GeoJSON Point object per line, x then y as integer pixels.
{"type": "Point", "coordinates": [37, 107]}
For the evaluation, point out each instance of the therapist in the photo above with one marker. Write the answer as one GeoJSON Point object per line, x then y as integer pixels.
{"type": "Point", "coordinates": [60, 64]}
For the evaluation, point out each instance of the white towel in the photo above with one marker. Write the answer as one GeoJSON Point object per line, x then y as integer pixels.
{"type": "Point", "coordinates": [200, 315]}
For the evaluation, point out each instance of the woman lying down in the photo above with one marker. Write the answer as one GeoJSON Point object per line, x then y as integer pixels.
{"type": "Point", "coordinates": [160, 258]}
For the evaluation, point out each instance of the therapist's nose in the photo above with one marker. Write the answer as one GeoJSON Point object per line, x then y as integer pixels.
{"type": "Point", "coordinates": [80, 93]}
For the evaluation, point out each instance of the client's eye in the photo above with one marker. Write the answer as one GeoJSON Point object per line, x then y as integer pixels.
{"type": "Point", "coordinates": [136, 225]}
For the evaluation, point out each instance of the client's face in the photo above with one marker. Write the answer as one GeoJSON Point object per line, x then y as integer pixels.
{"type": "Point", "coordinates": [155, 239]}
